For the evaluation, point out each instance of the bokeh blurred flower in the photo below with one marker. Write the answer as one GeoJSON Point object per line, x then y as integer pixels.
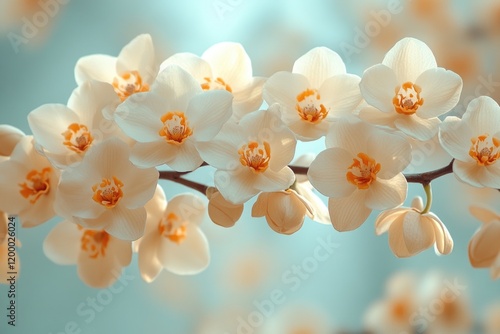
{"type": "Point", "coordinates": [358, 174]}
{"type": "Point", "coordinates": [284, 210]}
{"type": "Point", "coordinates": [251, 156]}
{"type": "Point", "coordinates": [98, 255]}
{"type": "Point", "coordinates": [492, 319]}
{"type": "Point", "coordinates": [171, 119]}
{"type": "Point", "coordinates": [296, 318]}
{"type": "Point", "coordinates": [474, 142]}
{"type": "Point", "coordinates": [484, 248]}
{"type": "Point", "coordinates": [9, 137]}
{"type": "Point", "coordinates": [106, 191]}
{"type": "Point", "coordinates": [411, 231]}
{"type": "Point", "coordinates": [316, 92]}
{"type": "Point", "coordinates": [65, 133]}
{"type": "Point", "coordinates": [408, 91]}
{"type": "Point", "coordinates": [173, 239]}
{"type": "Point", "coordinates": [29, 184]}
{"type": "Point", "coordinates": [133, 71]}
{"type": "Point", "coordinates": [224, 66]}
{"type": "Point", "coordinates": [221, 211]}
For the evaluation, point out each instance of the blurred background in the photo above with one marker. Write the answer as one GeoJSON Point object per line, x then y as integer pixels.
{"type": "Point", "coordinates": [361, 285]}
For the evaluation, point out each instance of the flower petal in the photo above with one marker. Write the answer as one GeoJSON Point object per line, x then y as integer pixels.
{"type": "Point", "coordinates": [455, 136]}
{"type": "Point", "coordinates": [385, 219]}
{"type": "Point", "coordinates": [147, 155]}
{"type": "Point", "coordinates": [419, 128]}
{"type": "Point", "coordinates": [483, 116]}
{"type": "Point", "coordinates": [9, 137]}
{"type": "Point", "coordinates": [189, 257]}
{"type": "Point", "coordinates": [418, 233]}
{"type": "Point", "coordinates": [62, 244]}
{"type": "Point", "coordinates": [393, 157]}
{"type": "Point", "coordinates": [477, 176]}
{"type": "Point", "coordinates": [283, 88]}
{"type": "Point", "coordinates": [484, 246]}
{"type": "Point", "coordinates": [149, 265]}
{"type": "Point", "coordinates": [409, 58]}
{"type": "Point", "coordinates": [249, 98]}
{"type": "Point", "coordinates": [236, 186]}
{"type": "Point", "coordinates": [139, 55]}
{"type": "Point", "coordinates": [386, 194]}
{"type": "Point", "coordinates": [440, 91]}
{"type": "Point", "coordinates": [377, 87]}
{"type": "Point", "coordinates": [374, 116]}
{"type": "Point", "coordinates": [188, 206]}
{"type": "Point", "coordinates": [396, 239]}
{"type": "Point", "coordinates": [341, 93]}
{"type": "Point", "coordinates": [318, 65]}
{"type": "Point", "coordinates": [139, 187]}
{"type": "Point", "coordinates": [483, 214]}
{"type": "Point", "coordinates": [176, 86]}
{"type": "Point", "coordinates": [222, 212]}
{"type": "Point", "coordinates": [186, 157]}
{"type": "Point", "coordinates": [327, 173]}
{"type": "Point", "coordinates": [444, 242]}
{"type": "Point", "coordinates": [95, 67]}
{"type": "Point", "coordinates": [125, 224]}
{"type": "Point", "coordinates": [348, 213]}
{"type": "Point", "coordinates": [194, 65]}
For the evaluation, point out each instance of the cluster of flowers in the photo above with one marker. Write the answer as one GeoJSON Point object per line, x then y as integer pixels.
{"type": "Point", "coordinates": [94, 161]}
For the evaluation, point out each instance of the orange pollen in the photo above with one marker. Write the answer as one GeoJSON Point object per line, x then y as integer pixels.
{"type": "Point", "coordinates": [255, 156]}
{"type": "Point", "coordinates": [108, 192]}
{"type": "Point", "coordinates": [129, 83]}
{"type": "Point", "coordinates": [400, 310]}
{"type": "Point", "coordinates": [309, 107]}
{"type": "Point", "coordinates": [218, 83]}
{"type": "Point", "coordinates": [175, 127]}
{"type": "Point", "coordinates": [94, 243]}
{"type": "Point", "coordinates": [173, 228]}
{"type": "Point", "coordinates": [77, 138]}
{"type": "Point", "coordinates": [363, 171]}
{"type": "Point", "coordinates": [485, 150]}
{"type": "Point", "coordinates": [37, 184]}
{"type": "Point", "coordinates": [407, 99]}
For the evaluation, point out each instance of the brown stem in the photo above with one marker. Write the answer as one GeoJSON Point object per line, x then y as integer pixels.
{"type": "Point", "coordinates": [177, 177]}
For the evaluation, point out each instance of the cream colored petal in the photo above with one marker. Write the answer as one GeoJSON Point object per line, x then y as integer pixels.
{"type": "Point", "coordinates": [222, 212]}
{"type": "Point", "coordinates": [149, 265]}
{"type": "Point", "coordinates": [387, 194]}
{"type": "Point", "coordinates": [374, 116]}
{"type": "Point", "coordinates": [396, 238]}
{"type": "Point", "coordinates": [193, 64]}
{"type": "Point", "coordinates": [483, 116]}
{"type": "Point", "coordinates": [155, 209]}
{"type": "Point", "coordinates": [409, 58]}
{"type": "Point", "coordinates": [62, 244]}
{"type": "Point", "coordinates": [418, 233]}
{"type": "Point", "coordinates": [95, 67]}
{"type": "Point", "coordinates": [476, 175]}
{"type": "Point", "coordinates": [139, 55]}
{"type": "Point", "coordinates": [417, 203]}
{"type": "Point", "coordinates": [318, 207]}
{"type": "Point", "coordinates": [444, 242]}
{"type": "Point", "coordinates": [393, 157]}
{"type": "Point", "coordinates": [236, 187]}
{"type": "Point", "coordinates": [482, 214]}
{"type": "Point", "coordinates": [318, 65]}
{"type": "Point", "coordinates": [495, 269]}
{"type": "Point", "coordinates": [126, 224]}
{"type": "Point", "coordinates": [249, 98]}
{"type": "Point", "coordinates": [189, 207]}
{"type": "Point", "coordinates": [9, 137]}
{"type": "Point", "coordinates": [418, 128]}
{"type": "Point", "coordinates": [455, 136]}
{"type": "Point", "coordinates": [348, 213]}
{"type": "Point", "coordinates": [341, 94]}
{"type": "Point", "coordinates": [285, 212]}
{"type": "Point", "coordinates": [484, 246]}
{"type": "Point", "coordinates": [378, 86]}
{"type": "Point", "coordinates": [386, 218]}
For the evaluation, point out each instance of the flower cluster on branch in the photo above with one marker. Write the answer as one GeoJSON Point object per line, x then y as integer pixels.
{"type": "Point", "coordinates": [95, 161]}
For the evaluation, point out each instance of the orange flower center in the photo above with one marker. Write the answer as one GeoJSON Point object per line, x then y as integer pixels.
{"type": "Point", "coordinates": [255, 156]}
{"type": "Point", "coordinates": [407, 99]}
{"type": "Point", "coordinates": [363, 171]}
{"type": "Point", "coordinates": [309, 107]}
{"type": "Point", "coordinates": [218, 83]}
{"type": "Point", "coordinates": [175, 127]}
{"type": "Point", "coordinates": [108, 192]}
{"type": "Point", "coordinates": [94, 243]}
{"type": "Point", "coordinates": [37, 184]}
{"type": "Point", "coordinates": [400, 310]}
{"type": "Point", "coordinates": [172, 228]}
{"type": "Point", "coordinates": [77, 138]}
{"type": "Point", "coordinates": [129, 83]}
{"type": "Point", "coordinates": [485, 150]}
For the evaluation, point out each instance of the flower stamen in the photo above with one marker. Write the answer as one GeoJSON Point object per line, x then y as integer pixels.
{"type": "Point", "coordinates": [309, 108]}
{"type": "Point", "coordinates": [38, 184]}
{"type": "Point", "coordinates": [175, 127]}
{"type": "Point", "coordinates": [129, 83]}
{"type": "Point", "coordinates": [94, 243]}
{"type": "Point", "coordinates": [172, 228]}
{"type": "Point", "coordinates": [485, 150]}
{"type": "Point", "coordinates": [255, 156]}
{"type": "Point", "coordinates": [108, 193]}
{"type": "Point", "coordinates": [218, 83]}
{"type": "Point", "coordinates": [363, 171]}
{"type": "Point", "coordinates": [77, 138]}
{"type": "Point", "coordinates": [407, 99]}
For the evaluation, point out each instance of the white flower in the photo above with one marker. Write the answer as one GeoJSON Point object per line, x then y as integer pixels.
{"type": "Point", "coordinates": [224, 66]}
{"type": "Point", "coordinates": [284, 210]}
{"type": "Point", "coordinates": [484, 248]}
{"type": "Point", "coordinates": [173, 239]}
{"type": "Point", "coordinates": [409, 91]}
{"type": "Point", "coordinates": [106, 191]}
{"type": "Point", "coordinates": [251, 156]}
{"type": "Point", "coordinates": [411, 231]}
{"type": "Point", "coordinates": [171, 119]}
{"type": "Point", "coordinates": [29, 184]}
{"type": "Point", "coordinates": [316, 92]}
{"type": "Point", "coordinates": [358, 173]}
{"type": "Point", "coordinates": [304, 188]}
{"type": "Point", "coordinates": [474, 142]}
{"type": "Point", "coordinates": [133, 71]}
{"type": "Point", "coordinates": [65, 133]}
{"type": "Point", "coordinates": [98, 255]}
{"type": "Point", "coordinates": [221, 211]}
{"type": "Point", "coordinates": [9, 137]}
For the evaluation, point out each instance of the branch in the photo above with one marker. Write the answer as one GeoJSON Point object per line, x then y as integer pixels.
{"type": "Point", "coordinates": [177, 177]}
